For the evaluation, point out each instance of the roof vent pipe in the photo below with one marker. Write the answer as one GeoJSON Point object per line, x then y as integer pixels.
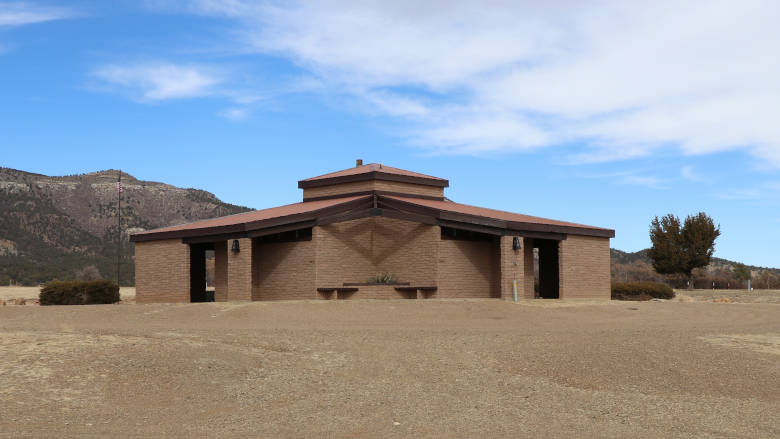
{"type": "Point", "coordinates": [358, 162]}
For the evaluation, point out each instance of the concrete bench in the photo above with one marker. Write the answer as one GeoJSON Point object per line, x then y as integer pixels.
{"type": "Point", "coordinates": [336, 292]}
{"type": "Point", "coordinates": [420, 292]}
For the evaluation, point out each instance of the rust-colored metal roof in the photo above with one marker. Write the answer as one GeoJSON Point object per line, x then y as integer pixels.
{"type": "Point", "coordinates": [256, 215]}
{"type": "Point", "coordinates": [373, 171]}
{"type": "Point", "coordinates": [465, 209]}
{"type": "Point", "coordinates": [372, 167]}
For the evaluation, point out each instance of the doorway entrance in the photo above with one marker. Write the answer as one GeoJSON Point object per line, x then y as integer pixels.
{"type": "Point", "coordinates": [198, 289]}
{"type": "Point", "coordinates": [546, 269]}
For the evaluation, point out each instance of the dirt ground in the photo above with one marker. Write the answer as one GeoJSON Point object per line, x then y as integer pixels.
{"type": "Point", "coordinates": [356, 369]}
{"type": "Point", "coordinates": [739, 296]}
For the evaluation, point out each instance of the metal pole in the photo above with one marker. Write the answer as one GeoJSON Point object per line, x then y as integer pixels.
{"type": "Point", "coordinates": [119, 225]}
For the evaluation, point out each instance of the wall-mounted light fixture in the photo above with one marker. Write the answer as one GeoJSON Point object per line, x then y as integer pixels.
{"type": "Point", "coordinates": [235, 248]}
{"type": "Point", "coordinates": [516, 243]}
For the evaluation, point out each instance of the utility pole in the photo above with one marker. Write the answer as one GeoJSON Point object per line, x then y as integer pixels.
{"type": "Point", "coordinates": [119, 225]}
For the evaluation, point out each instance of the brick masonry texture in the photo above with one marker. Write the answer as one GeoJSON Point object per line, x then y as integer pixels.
{"type": "Point", "coordinates": [162, 271]}
{"type": "Point", "coordinates": [584, 268]}
{"type": "Point", "coordinates": [509, 267]}
{"type": "Point", "coordinates": [284, 271]}
{"type": "Point", "coordinates": [528, 260]}
{"type": "Point", "coordinates": [354, 251]}
{"type": "Point", "coordinates": [370, 185]}
{"type": "Point", "coordinates": [466, 269]}
{"type": "Point", "coordinates": [220, 271]}
{"type": "Point", "coordinates": [240, 271]}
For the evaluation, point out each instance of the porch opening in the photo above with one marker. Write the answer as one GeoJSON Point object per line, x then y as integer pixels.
{"type": "Point", "coordinates": [546, 271]}
{"type": "Point", "coordinates": [200, 291]}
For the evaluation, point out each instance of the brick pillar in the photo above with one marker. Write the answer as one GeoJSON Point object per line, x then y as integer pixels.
{"type": "Point", "coordinates": [162, 271]}
{"type": "Point", "coordinates": [528, 257]}
{"type": "Point", "coordinates": [221, 271]}
{"type": "Point", "coordinates": [511, 269]}
{"type": "Point", "coordinates": [239, 269]}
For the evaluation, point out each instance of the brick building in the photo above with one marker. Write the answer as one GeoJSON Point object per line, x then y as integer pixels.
{"type": "Point", "coordinates": [372, 219]}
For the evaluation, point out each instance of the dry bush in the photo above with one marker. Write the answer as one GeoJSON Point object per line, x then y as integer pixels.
{"type": "Point", "coordinates": [641, 291]}
{"type": "Point", "coordinates": [79, 292]}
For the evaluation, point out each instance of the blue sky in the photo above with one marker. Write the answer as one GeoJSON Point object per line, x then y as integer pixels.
{"type": "Point", "coordinates": [604, 113]}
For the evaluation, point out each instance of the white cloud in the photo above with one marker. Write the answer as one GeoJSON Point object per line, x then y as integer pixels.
{"type": "Point", "coordinates": [623, 78]}
{"type": "Point", "coordinates": [161, 81]}
{"type": "Point", "coordinates": [235, 114]}
{"type": "Point", "coordinates": [21, 13]}
{"type": "Point", "coordinates": [767, 191]}
{"type": "Point", "coordinates": [631, 178]}
{"type": "Point", "coordinates": [689, 173]}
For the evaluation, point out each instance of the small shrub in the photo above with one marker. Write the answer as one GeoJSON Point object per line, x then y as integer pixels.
{"type": "Point", "coordinates": [79, 292]}
{"type": "Point", "coordinates": [641, 291]}
{"type": "Point", "coordinates": [382, 278]}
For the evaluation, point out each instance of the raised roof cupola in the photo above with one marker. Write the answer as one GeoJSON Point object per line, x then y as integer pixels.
{"type": "Point", "coordinates": [372, 178]}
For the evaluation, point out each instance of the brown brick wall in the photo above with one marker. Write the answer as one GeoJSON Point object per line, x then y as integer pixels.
{"type": "Point", "coordinates": [284, 271]}
{"type": "Point", "coordinates": [356, 250]}
{"type": "Point", "coordinates": [528, 260]}
{"type": "Point", "coordinates": [370, 185]}
{"type": "Point", "coordinates": [467, 269]}
{"type": "Point", "coordinates": [584, 267]}
{"type": "Point", "coordinates": [239, 268]}
{"type": "Point", "coordinates": [510, 267]}
{"type": "Point", "coordinates": [162, 271]}
{"type": "Point", "coordinates": [220, 271]}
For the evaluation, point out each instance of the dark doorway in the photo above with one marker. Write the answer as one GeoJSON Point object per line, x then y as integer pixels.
{"type": "Point", "coordinates": [198, 291]}
{"type": "Point", "coordinates": [548, 277]}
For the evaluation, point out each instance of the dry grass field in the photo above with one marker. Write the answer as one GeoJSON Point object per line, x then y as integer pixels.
{"type": "Point", "coordinates": [356, 369]}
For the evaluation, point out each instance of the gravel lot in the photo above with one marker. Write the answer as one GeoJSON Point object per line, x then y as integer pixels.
{"type": "Point", "coordinates": [354, 369]}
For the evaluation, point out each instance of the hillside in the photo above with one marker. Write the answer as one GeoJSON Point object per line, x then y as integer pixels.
{"type": "Point", "coordinates": [66, 227]}
{"type": "Point", "coordinates": [638, 266]}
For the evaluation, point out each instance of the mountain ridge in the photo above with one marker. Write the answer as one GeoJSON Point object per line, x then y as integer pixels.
{"type": "Point", "coordinates": [66, 226]}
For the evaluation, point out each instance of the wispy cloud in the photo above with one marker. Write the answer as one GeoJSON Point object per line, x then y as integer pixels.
{"type": "Point", "coordinates": [620, 79]}
{"type": "Point", "coordinates": [740, 194]}
{"type": "Point", "coordinates": [631, 178]}
{"type": "Point", "coordinates": [766, 191]}
{"type": "Point", "coordinates": [21, 13]}
{"type": "Point", "coordinates": [235, 114]}
{"type": "Point", "coordinates": [689, 173]}
{"type": "Point", "coordinates": [159, 81]}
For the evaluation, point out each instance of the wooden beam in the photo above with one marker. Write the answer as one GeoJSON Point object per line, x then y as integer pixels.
{"type": "Point", "coordinates": [213, 238]}
{"type": "Point", "coordinates": [409, 216]}
{"type": "Point", "coordinates": [345, 216]}
{"type": "Point", "coordinates": [472, 227]}
{"type": "Point", "coordinates": [282, 228]}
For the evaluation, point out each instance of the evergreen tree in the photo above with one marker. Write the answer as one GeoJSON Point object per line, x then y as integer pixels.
{"type": "Point", "coordinates": [742, 272]}
{"type": "Point", "coordinates": [680, 248]}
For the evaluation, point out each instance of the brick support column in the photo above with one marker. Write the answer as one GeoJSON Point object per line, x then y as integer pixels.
{"type": "Point", "coordinates": [511, 268]}
{"type": "Point", "coordinates": [584, 268]}
{"type": "Point", "coordinates": [528, 258]}
{"type": "Point", "coordinates": [239, 270]}
{"type": "Point", "coordinates": [162, 271]}
{"type": "Point", "coordinates": [220, 271]}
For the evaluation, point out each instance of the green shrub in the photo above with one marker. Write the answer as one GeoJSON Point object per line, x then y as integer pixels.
{"type": "Point", "coordinates": [79, 292]}
{"type": "Point", "coordinates": [382, 278]}
{"type": "Point", "coordinates": [641, 291]}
